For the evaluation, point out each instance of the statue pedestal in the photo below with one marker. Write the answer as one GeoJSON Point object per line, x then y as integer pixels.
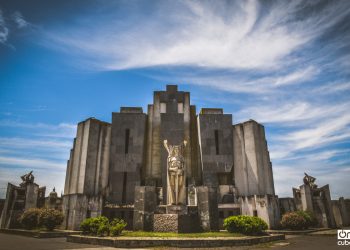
{"type": "Point", "coordinates": [176, 218]}
{"type": "Point", "coordinates": [177, 223]}
{"type": "Point", "coordinates": [176, 209]}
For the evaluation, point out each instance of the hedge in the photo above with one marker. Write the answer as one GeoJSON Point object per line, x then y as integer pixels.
{"type": "Point", "coordinates": [100, 226]}
{"type": "Point", "coordinates": [245, 224]}
{"type": "Point", "coordinates": [35, 217]}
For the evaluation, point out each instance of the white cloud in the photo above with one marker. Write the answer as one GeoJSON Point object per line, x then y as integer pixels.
{"type": "Point", "coordinates": [4, 31]}
{"type": "Point", "coordinates": [239, 35]}
{"type": "Point", "coordinates": [8, 24]}
{"type": "Point", "coordinates": [318, 135]}
{"type": "Point", "coordinates": [43, 144]}
{"type": "Point", "coordinates": [32, 163]}
{"type": "Point", "coordinates": [294, 112]}
{"type": "Point", "coordinates": [61, 130]}
{"type": "Point", "coordinates": [333, 87]}
{"type": "Point", "coordinates": [17, 17]}
{"type": "Point", "coordinates": [44, 149]}
{"type": "Point", "coordinates": [297, 76]}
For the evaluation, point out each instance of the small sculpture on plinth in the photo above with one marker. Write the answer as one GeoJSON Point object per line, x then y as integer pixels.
{"type": "Point", "coordinates": [176, 174]}
{"type": "Point", "coordinates": [309, 180]}
{"type": "Point", "coordinates": [27, 179]}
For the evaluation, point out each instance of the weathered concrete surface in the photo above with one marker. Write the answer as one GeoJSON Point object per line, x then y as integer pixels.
{"type": "Point", "coordinates": [126, 154]}
{"type": "Point", "coordinates": [87, 168]}
{"type": "Point", "coordinates": [287, 205]}
{"type": "Point", "coordinates": [144, 207]}
{"type": "Point", "coordinates": [216, 148]}
{"type": "Point", "coordinates": [208, 208]}
{"type": "Point", "coordinates": [264, 206]}
{"type": "Point", "coordinates": [77, 207]}
{"type": "Point", "coordinates": [252, 166]}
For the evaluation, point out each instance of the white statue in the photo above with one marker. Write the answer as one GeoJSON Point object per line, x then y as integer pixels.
{"type": "Point", "coordinates": [176, 190]}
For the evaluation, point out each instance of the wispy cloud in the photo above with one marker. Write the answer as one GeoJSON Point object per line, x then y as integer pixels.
{"type": "Point", "coordinates": [8, 24]}
{"type": "Point", "coordinates": [18, 18]}
{"type": "Point", "coordinates": [294, 112]}
{"type": "Point", "coordinates": [42, 147]}
{"type": "Point", "coordinates": [32, 163]}
{"type": "Point", "coordinates": [228, 35]}
{"type": "Point", "coordinates": [62, 130]}
{"type": "Point", "coordinates": [15, 142]}
{"type": "Point", "coordinates": [4, 31]}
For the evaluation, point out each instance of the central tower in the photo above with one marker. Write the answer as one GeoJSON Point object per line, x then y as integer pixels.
{"type": "Point", "coordinates": [169, 118]}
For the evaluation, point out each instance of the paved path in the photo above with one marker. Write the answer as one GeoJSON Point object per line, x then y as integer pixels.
{"type": "Point", "coordinates": [15, 242]}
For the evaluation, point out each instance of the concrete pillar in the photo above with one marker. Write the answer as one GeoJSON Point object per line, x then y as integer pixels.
{"type": "Point", "coordinates": [144, 207]}
{"type": "Point", "coordinates": [240, 168]}
{"type": "Point", "coordinates": [306, 198]}
{"type": "Point", "coordinates": [344, 214]}
{"type": "Point", "coordinates": [208, 208]}
{"type": "Point", "coordinates": [31, 196]}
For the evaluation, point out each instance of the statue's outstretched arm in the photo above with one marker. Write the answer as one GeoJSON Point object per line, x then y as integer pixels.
{"type": "Point", "coordinates": [165, 142]}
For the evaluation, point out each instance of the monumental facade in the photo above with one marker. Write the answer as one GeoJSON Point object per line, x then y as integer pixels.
{"type": "Point", "coordinates": [169, 164]}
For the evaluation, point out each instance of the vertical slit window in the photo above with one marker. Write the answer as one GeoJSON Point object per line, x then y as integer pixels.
{"type": "Point", "coordinates": [127, 135]}
{"type": "Point", "coordinates": [124, 188]}
{"type": "Point", "coordinates": [217, 141]}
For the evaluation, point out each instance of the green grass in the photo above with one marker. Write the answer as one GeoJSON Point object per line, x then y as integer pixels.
{"type": "Point", "coordinates": [180, 235]}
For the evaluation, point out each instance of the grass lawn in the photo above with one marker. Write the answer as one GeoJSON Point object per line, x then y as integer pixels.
{"type": "Point", "coordinates": [180, 235]}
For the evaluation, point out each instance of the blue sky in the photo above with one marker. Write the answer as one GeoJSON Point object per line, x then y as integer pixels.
{"type": "Point", "coordinates": [285, 64]}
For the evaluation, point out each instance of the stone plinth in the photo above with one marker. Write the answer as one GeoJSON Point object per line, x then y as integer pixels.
{"type": "Point", "coordinates": [166, 223]}
{"type": "Point", "coordinates": [178, 223]}
{"type": "Point", "coordinates": [176, 209]}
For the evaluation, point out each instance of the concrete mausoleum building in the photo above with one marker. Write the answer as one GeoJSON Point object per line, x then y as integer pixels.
{"type": "Point", "coordinates": [122, 169]}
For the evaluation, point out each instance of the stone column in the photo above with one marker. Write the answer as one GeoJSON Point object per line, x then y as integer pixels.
{"type": "Point", "coordinates": [31, 196]}
{"type": "Point", "coordinates": [306, 198]}
{"type": "Point", "coordinates": [144, 207]}
{"type": "Point", "coordinates": [208, 208]}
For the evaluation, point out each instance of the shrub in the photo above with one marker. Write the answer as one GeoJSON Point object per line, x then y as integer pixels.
{"type": "Point", "coordinates": [94, 226]}
{"type": "Point", "coordinates": [245, 224]}
{"type": "Point", "coordinates": [294, 221]}
{"type": "Point", "coordinates": [50, 218]}
{"type": "Point", "coordinates": [310, 218]}
{"type": "Point", "coordinates": [298, 220]}
{"type": "Point", "coordinates": [103, 230]}
{"type": "Point", "coordinates": [100, 226]}
{"type": "Point", "coordinates": [117, 226]}
{"type": "Point", "coordinates": [29, 219]}
{"type": "Point", "coordinates": [86, 225]}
